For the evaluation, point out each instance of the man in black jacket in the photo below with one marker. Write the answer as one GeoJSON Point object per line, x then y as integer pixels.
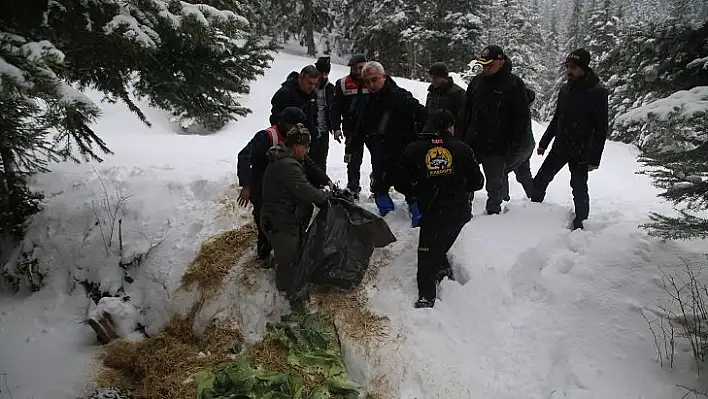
{"type": "Point", "coordinates": [298, 90]}
{"type": "Point", "coordinates": [390, 119]}
{"type": "Point", "coordinates": [579, 127]}
{"type": "Point", "coordinates": [349, 95]}
{"type": "Point", "coordinates": [324, 93]}
{"type": "Point", "coordinates": [441, 173]}
{"type": "Point", "coordinates": [252, 162]}
{"type": "Point", "coordinates": [443, 93]}
{"type": "Point", "coordinates": [497, 120]}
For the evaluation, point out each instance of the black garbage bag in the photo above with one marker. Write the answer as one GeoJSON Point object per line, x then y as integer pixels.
{"type": "Point", "coordinates": [338, 246]}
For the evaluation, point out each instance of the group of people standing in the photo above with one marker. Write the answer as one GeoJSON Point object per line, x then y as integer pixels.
{"type": "Point", "coordinates": [430, 153]}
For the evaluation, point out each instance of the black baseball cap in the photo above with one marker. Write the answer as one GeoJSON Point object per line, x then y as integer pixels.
{"type": "Point", "coordinates": [490, 54]}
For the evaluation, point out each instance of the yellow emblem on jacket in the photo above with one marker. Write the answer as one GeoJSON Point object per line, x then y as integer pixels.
{"type": "Point", "coordinates": [438, 161]}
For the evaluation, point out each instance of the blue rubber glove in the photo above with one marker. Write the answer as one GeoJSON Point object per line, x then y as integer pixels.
{"type": "Point", "coordinates": [384, 203]}
{"type": "Point", "coordinates": [415, 214]}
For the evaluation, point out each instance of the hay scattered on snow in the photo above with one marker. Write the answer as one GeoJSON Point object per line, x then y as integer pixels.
{"type": "Point", "coordinates": [217, 256]}
{"type": "Point", "coordinates": [352, 310]}
{"type": "Point", "coordinates": [160, 365]}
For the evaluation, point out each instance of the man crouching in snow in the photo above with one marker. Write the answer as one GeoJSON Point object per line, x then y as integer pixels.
{"type": "Point", "coordinates": [252, 162]}
{"type": "Point", "coordinates": [288, 199]}
{"type": "Point", "coordinates": [441, 173]}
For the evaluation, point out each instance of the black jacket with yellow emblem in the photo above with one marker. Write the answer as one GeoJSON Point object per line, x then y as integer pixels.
{"type": "Point", "coordinates": [440, 170]}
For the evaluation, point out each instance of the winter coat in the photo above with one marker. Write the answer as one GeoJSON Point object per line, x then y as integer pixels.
{"type": "Point", "coordinates": [288, 196]}
{"type": "Point", "coordinates": [329, 99]}
{"type": "Point", "coordinates": [253, 159]}
{"type": "Point", "coordinates": [497, 115]}
{"type": "Point", "coordinates": [580, 122]}
{"type": "Point", "coordinates": [349, 96]}
{"type": "Point", "coordinates": [451, 97]}
{"type": "Point", "coordinates": [290, 95]}
{"type": "Point", "coordinates": [393, 117]}
{"type": "Point", "coordinates": [439, 170]}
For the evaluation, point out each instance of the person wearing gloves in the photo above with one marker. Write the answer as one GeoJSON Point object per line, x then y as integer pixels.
{"type": "Point", "coordinates": [579, 127]}
{"type": "Point", "coordinates": [288, 201]}
{"type": "Point", "coordinates": [325, 95]}
{"type": "Point", "coordinates": [350, 93]}
{"type": "Point", "coordinates": [252, 162]}
{"type": "Point", "coordinates": [441, 174]}
{"type": "Point", "coordinates": [390, 119]}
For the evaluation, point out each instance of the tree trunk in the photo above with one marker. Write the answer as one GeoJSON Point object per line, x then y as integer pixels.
{"type": "Point", "coordinates": [309, 27]}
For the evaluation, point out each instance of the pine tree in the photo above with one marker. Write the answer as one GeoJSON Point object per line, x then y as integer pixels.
{"type": "Point", "coordinates": [601, 36]}
{"type": "Point", "coordinates": [652, 62]}
{"type": "Point", "coordinates": [574, 27]}
{"type": "Point", "coordinates": [683, 177]}
{"type": "Point", "coordinates": [522, 42]}
{"type": "Point", "coordinates": [159, 47]}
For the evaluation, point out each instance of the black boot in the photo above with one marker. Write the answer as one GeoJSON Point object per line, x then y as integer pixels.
{"type": "Point", "coordinates": [424, 303]}
{"type": "Point", "coordinates": [578, 224]}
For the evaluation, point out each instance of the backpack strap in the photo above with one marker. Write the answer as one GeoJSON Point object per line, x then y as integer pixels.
{"type": "Point", "coordinates": [273, 136]}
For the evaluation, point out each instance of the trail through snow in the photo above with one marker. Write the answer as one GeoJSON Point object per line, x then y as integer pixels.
{"type": "Point", "coordinates": [537, 311]}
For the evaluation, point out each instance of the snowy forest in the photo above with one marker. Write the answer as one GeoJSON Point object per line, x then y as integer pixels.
{"type": "Point", "coordinates": [172, 52]}
{"type": "Point", "coordinates": [176, 88]}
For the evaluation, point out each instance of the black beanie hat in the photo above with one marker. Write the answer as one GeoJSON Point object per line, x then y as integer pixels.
{"type": "Point", "coordinates": [579, 57]}
{"type": "Point", "coordinates": [297, 135]}
{"type": "Point", "coordinates": [438, 69]}
{"type": "Point", "coordinates": [323, 64]}
{"type": "Point", "coordinates": [439, 121]}
{"type": "Point", "coordinates": [356, 59]}
{"type": "Point", "coordinates": [292, 116]}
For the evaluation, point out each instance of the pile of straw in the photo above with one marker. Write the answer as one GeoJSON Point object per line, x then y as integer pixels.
{"type": "Point", "coordinates": [161, 366]}
{"type": "Point", "coordinates": [217, 257]}
{"type": "Point", "coordinates": [351, 309]}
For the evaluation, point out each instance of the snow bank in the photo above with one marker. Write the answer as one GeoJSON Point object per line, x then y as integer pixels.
{"type": "Point", "coordinates": [122, 313]}
{"type": "Point", "coordinates": [687, 102]}
{"type": "Point", "coordinates": [675, 123]}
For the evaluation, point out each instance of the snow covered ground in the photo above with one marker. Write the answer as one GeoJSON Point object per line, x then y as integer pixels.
{"type": "Point", "coordinates": [537, 311]}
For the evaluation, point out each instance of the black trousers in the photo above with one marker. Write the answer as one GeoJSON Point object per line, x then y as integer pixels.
{"type": "Point", "coordinates": [263, 246]}
{"type": "Point", "coordinates": [439, 229]}
{"type": "Point", "coordinates": [385, 168]}
{"type": "Point", "coordinates": [319, 149]}
{"type": "Point", "coordinates": [354, 168]}
{"type": "Point", "coordinates": [520, 164]}
{"type": "Point", "coordinates": [553, 163]}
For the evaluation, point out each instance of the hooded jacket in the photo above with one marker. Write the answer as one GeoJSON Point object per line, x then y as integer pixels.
{"type": "Point", "coordinates": [580, 122]}
{"type": "Point", "coordinates": [497, 115]}
{"type": "Point", "coordinates": [288, 197]}
{"type": "Point", "coordinates": [290, 95]}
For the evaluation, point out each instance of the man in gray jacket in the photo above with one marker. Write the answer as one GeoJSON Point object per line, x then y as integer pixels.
{"type": "Point", "coordinates": [288, 199]}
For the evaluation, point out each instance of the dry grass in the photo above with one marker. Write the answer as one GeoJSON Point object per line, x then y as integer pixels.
{"type": "Point", "coordinates": [380, 388]}
{"type": "Point", "coordinates": [159, 366]}
{"type": "Point", "coordinates": [352, 309]}
{"type": "Point", "coordinates": [216, 257]}
{"type": "Point", "coordinates": [250, 273]}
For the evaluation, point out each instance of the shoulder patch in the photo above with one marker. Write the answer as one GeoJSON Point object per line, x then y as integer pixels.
{"type": "Point", "coordinates": [438, 162]}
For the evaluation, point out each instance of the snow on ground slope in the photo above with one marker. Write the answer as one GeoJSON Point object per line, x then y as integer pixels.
{"type": "Point", "coordinates": [172, 185]}
{"type": "Point", "coordinates": [537, 311]}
